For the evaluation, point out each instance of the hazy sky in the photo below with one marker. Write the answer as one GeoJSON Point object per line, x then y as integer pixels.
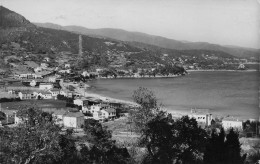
{"type": "Point", "coordinates": [226, 22]}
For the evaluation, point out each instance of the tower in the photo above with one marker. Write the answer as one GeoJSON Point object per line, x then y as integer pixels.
{"type": "Point", "coordinates": [80, 46]}
{"type": "Point", "coordinates": [80, 57]}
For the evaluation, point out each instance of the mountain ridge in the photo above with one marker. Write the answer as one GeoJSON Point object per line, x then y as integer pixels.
{"type": "Point", "coordinates": [123, 35]}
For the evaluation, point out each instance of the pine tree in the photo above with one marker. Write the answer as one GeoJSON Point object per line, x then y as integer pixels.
{"type": "Point", "coordinates": [232, 149]}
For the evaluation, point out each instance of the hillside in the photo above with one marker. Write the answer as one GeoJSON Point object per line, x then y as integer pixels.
{"type": "Point", "coordinates": [155, 40]}
{"type": "Point", "coordinates": [15, 28]}
{"type": "Point", "coordinates": [25, 41]}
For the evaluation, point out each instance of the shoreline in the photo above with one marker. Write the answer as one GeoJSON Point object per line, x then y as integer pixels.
{"type": "Point", "coordinates": [105, 98]}
{"type": "Point", "coordinates": [175, 113]}
{"type": "Point", "coordinates": [175, 76]}
{"type": "Point", "coordinates": [145, 77]}
{"type": "Point", "coordinates": [221, 70]}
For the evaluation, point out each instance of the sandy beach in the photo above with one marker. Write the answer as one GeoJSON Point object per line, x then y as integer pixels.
{"type": "Point", "coordinates": [86, 93]}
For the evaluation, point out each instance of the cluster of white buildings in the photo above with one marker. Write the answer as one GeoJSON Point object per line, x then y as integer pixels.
{"type": "Point", "coordinates": [96, 108]}
{"type": "Point", "coordinates": [44, 91]}
{"type": "Point", "coordinates": [63, 117]}
{"type": "Point", "coordinates": [204, 118]}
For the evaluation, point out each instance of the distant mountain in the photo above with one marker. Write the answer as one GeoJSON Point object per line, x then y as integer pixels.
{"type": "Point", "coordinates": [20, 37]}
{"type": "Point", "coordinates": [10, 19]}
{"type": "Point", "coordinates": [163, 42]}
{"type": "Point", "coordinates": [16, 28]}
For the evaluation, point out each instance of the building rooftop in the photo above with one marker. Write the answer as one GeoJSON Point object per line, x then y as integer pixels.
{"type": "Point", "coordinates": [231, 119]}
{"type": "Point", "coordinates": [44, 92]}
{"type": "Point", "coordinates": [110, 110]}
{"type": "Point", "coordinates": [55, 89]}
{"type": "Point", "coordinates": [56, 111]}
{"type": "Point", "coordinates": [74, 114]}
{"type": "Point", "coordinates": [26, 92]}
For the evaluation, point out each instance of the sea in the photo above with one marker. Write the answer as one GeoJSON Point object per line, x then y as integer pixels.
{"type": "Point", "coordinates": [224, 93]}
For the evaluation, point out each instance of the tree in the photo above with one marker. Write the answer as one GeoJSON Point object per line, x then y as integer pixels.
{"type": "Point", "coordinates": [35, 141]}
{"type": "Point", "coordinates": [167, 140]}
{"type": "Point", "coordinates": [103, 149]}
{"type": "Point", "coordinates": [147, 110]}
{"type": "Point", "coordinates": [214, 153]}
{"type": "Point", "coordinates": [191, 140]}
{"type": "Point", "coordinates": [223, 148]}
{"type": "Point", "coordinates": [159, 140]}
{"type": "Point", "coordinates": [232, 147]}
{"type": "Point", "coordinates": [2, 116]}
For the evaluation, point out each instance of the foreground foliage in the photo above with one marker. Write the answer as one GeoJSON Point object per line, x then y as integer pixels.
{"type": "Point", "coordinates": [39, 140]}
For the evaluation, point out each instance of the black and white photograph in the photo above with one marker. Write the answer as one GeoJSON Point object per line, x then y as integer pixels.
{"type": "Point", "coordinates": [129, 82]}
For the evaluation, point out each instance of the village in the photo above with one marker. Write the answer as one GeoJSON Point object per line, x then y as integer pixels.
{"type": "Point", "coordinates": [70, 103]}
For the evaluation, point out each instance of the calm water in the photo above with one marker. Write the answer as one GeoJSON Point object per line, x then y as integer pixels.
{"type": "Point", "coordinates": [225, 93]}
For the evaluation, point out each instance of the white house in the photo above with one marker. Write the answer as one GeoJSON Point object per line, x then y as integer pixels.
{"type": "Point", "coordinates": [45, 86]}
{"type": "Point", "coordinates": [33, 83]}
{"type": "Point", "coordinates": [79, 102]}
{"type": "Point", "coordinates": [54, 92]}
{"type": "Point", "coordinates": [97, 115]}
{"type": "Point", "coordinates": [109, 113]}
{"type": "Point", "coordinates": [202, 116]}
{"type": "Point", "coordinates": [73, 120]}
{"type": "Point", "coordinates": [26, 95]}
{"type": "Point", "coordinates": [44, 95]}
{"type": "Point", "coordinates": [230, 122]}
{"type": "Point", "coordinates": [98, 107]}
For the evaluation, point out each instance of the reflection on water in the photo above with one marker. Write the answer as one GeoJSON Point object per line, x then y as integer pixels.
{"type": "Point", "coordinates": [233, 93]}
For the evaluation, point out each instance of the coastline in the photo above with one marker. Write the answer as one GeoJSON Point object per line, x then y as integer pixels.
{"type": "Point", "coordinates": [105, 98]}
{"type": "Point", "coordinates": [222, 70]}
{"type": "Point", "coordinates": [139, 77]}
{"type": "Point", "coordinates": [175, 113]}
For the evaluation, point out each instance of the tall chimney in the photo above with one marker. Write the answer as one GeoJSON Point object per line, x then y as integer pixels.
{"type": "Point", "coordinates": [80, 45]}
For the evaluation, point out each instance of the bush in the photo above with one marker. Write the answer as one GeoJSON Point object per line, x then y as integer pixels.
{"type": "Point", "coordinates": [2, 100]}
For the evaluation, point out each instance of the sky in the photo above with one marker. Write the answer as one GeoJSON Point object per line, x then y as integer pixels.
{"type": "Point", "coordinates": [225, 22]}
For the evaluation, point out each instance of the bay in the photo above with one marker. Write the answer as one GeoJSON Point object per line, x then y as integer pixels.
{"type": "Point", "coordinates": [223, 92]}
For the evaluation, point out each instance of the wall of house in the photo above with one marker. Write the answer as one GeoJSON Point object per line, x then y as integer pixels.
{"type": "Point", "coordinates": [202, 118]}
{"type": "Point", "coordinates": [70, 122]}
{"type": "Point", "coordinates": [94, 108]}
{"type": "Point", "coordinates": [232, 124]}
{"type": "Point", "coordinates": [78, 102]}
{"type": "Point", "coordinates": [105, 114]}
{"type": "Point", "coordinates": [80, 121]}
{"type": "Point", "coordinates": [45, 87]}
{"type": "Point", "coordinates": [96, 116]}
